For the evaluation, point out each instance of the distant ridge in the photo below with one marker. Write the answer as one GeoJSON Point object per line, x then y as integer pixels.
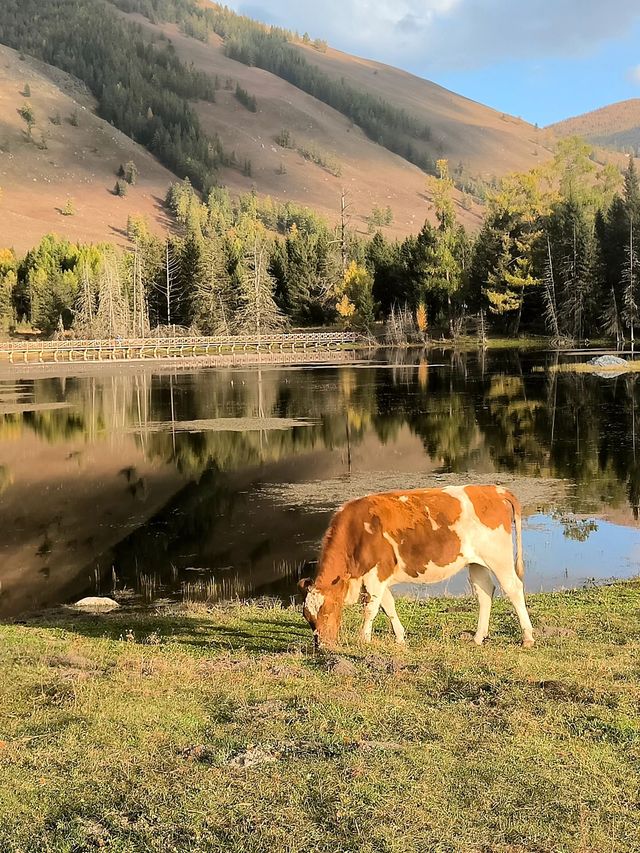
{"type": "Point", "coordinates": [615, 126]}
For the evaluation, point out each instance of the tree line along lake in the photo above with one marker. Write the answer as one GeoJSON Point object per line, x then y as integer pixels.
{"type": "Point", "coordinates": [208, 484]}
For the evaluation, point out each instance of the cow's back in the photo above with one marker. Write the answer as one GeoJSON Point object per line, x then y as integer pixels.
{"type": "Point", "coordinates": [421, 534]}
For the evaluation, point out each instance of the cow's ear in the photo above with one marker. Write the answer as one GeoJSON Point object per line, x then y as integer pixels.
{"type": "Point", "coordinates": [304, 584]}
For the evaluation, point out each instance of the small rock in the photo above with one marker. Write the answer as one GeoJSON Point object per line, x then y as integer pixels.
{"type": "Point", "coordinates": [96, 604]}
{"type": "Point", "coordinates": [253, 756]}
{"type": "Point", "coordinates": [608, 361]}
{"type": "Point", "coordinates": [341, 666]}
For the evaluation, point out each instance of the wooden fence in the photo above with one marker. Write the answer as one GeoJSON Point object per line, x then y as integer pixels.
{"type": "Point", "coordinates": [68, 350]}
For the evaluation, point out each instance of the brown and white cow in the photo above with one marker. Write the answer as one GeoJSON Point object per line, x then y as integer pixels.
{"type": "Point", "coordinates": [417, 536]}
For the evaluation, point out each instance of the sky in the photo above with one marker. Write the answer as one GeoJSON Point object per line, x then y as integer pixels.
{"type": "Point", "coordinates": [543, 60]}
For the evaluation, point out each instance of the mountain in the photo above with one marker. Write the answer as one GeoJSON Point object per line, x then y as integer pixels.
{"type": "Point", "coordinates": [480, 143]}
{"type": "Point", "coordinates": [616, 126]}
{"type": "Point", "coordinates": [65, 162]}
{"type": "Point", "coordinates": [204, 89]}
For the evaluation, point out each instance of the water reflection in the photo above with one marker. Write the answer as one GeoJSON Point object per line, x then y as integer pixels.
{"type": "Point", "coordinates": [153, 482]}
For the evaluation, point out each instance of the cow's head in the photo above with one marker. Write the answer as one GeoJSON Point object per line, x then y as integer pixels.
{"type": "Point", "coordinates": [323, 612]}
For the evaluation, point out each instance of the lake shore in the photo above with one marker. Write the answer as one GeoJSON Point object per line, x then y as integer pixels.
{"type": "Point", "coordinates": [219, 728]}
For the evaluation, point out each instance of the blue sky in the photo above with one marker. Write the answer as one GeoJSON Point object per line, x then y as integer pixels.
{"type": "Point", "coordinates": [543, 60]}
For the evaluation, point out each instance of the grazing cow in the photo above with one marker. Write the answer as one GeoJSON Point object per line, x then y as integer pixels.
{"type": "Point", "coordinates": [417, 536]}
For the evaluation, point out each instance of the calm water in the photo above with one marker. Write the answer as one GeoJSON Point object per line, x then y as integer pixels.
{"type": "Point", "coordinates": [220, 482]}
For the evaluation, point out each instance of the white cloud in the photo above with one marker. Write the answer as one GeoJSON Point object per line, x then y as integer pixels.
{"type": "Point", "coordinates": [634, 75]}
{"type": "Point", "coordinates": [453, 34]}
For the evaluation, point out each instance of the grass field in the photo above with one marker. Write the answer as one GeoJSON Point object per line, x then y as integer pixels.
{"type": "Point", "coordinates": [219, 729]}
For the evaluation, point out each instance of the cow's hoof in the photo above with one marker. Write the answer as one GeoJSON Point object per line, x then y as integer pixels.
{"type": "Point", "coordinates": [528, 643]}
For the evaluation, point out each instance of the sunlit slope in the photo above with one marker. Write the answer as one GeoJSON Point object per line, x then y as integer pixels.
{"type": "Point", "coordinates": [615, 126]}
{"type": "Point", "coordinates": [37, 178]}
{"type": "Point", "coordinates": [486, 142]}
{"type": "Point", "coordinates": [371, 174]}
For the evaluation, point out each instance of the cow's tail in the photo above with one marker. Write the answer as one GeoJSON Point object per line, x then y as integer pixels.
{"type": "Point", "coordinates": [517, 519]}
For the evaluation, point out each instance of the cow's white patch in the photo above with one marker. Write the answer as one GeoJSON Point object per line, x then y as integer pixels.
{"type": "Point", "coordinates": [314, 601]}
{"type": "Point", "coordinates": [353, 591]}
{"type": "Point", "coordinates": [403, 498]}
{"type": "Point", "coordinates": [396, 550]}
{"type": "Point", "coordinates": [368, 527]}
{"type": "Point", "coordinates": [432, 522]}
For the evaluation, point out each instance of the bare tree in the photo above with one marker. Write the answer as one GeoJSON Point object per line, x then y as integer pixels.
{"type": "Point", "coordinates": [630, 285]}
{"type": "Point", "coordinates": [345, 205]}
{"type": "Point", "coordinates": [139, 307]}
{"type": "Point", "coordinates": [550, 301]}
{"type": "Point", "coordinates": [212, 303]}
{"type": "Point", "coordinates": [85, 307]}
{"type": "Point", "coordinates": [113, 318]}
{"type": "Point", "coordinates": [171, 279]}
{"type": "Point", "coordinates": [401, 326]}
{"type": "Point", "coordinates": [611, 319]}
{"type": "Point", "coordinates": [257, 312]}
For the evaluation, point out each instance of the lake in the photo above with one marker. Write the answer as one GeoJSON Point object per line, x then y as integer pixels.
{"type": "Point", "coordinates": [205, 484]}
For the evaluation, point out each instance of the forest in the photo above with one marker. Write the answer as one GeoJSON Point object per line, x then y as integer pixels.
{"type": "Point", "coordinates": [273, 49]}
{"type": "Point", "coordinates": [141, 88]}
{"type": "Point", "coordinates": [557, 255]}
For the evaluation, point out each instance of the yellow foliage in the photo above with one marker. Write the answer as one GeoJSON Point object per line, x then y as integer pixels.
{"type": "Point", "coordinates": [7, 259]}
{"type": "Point", "coordinates": [500, 303]}
{"type": "Point", "coordinates": [355, 274]}
{"type": "Point", "coordinates": [345, 307]}
{"type": "Point", "coordinates": [421, 318]}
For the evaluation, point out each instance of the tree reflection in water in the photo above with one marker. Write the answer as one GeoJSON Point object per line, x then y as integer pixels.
{"type": "Point", "coordinates": [471, 411]}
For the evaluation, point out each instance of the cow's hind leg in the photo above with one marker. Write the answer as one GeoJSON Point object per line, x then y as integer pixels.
{"type": "Point", "coordinates": [514, 590]}
{"type": "Point", "coordinates": [389, 607]}
{"type": "Point", "coordinates": [483, 587]}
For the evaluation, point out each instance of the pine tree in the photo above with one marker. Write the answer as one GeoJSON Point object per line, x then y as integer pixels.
{"type": "Point", "coordinates": [27, 115]}
{"type": "Point", "coordinates": [130, 173]}
{"type": "Point", "coordinates": [632, 191]}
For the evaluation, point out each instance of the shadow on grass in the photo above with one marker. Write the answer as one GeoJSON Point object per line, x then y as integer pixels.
{"type": "Point", "coordinates": [201, 634]}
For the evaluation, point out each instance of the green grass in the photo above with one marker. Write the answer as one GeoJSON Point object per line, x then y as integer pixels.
{"type": "Point", "coordinates": [131, 731]}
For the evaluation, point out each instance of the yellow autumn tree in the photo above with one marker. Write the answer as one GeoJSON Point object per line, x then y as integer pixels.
{"type": "Point", "coordinates": [421, 319]}
{"type": "Point", "coordinates": [356, 297]}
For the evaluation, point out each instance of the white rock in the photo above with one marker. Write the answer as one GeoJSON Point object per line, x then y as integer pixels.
{"type": "Point", "coordinates": [97, 603]}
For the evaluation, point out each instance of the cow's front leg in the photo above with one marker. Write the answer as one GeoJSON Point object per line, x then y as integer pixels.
{"type": "Point", "coordinates": [371, 609]}
{"type": "Point", "coordinates": [389, 607]}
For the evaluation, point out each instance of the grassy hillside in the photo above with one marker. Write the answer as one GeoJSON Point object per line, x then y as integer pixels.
{"type": "Point", "coordinates": [220, 730]}
{"type": "Point", "coordinates": [347, 123]}
{"type": "Point", "coordinates": [480, 143]}
{"type": "Point", "coordinates": [74, 162]}
{"type": "Point", "coordinates": [615, 126]}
